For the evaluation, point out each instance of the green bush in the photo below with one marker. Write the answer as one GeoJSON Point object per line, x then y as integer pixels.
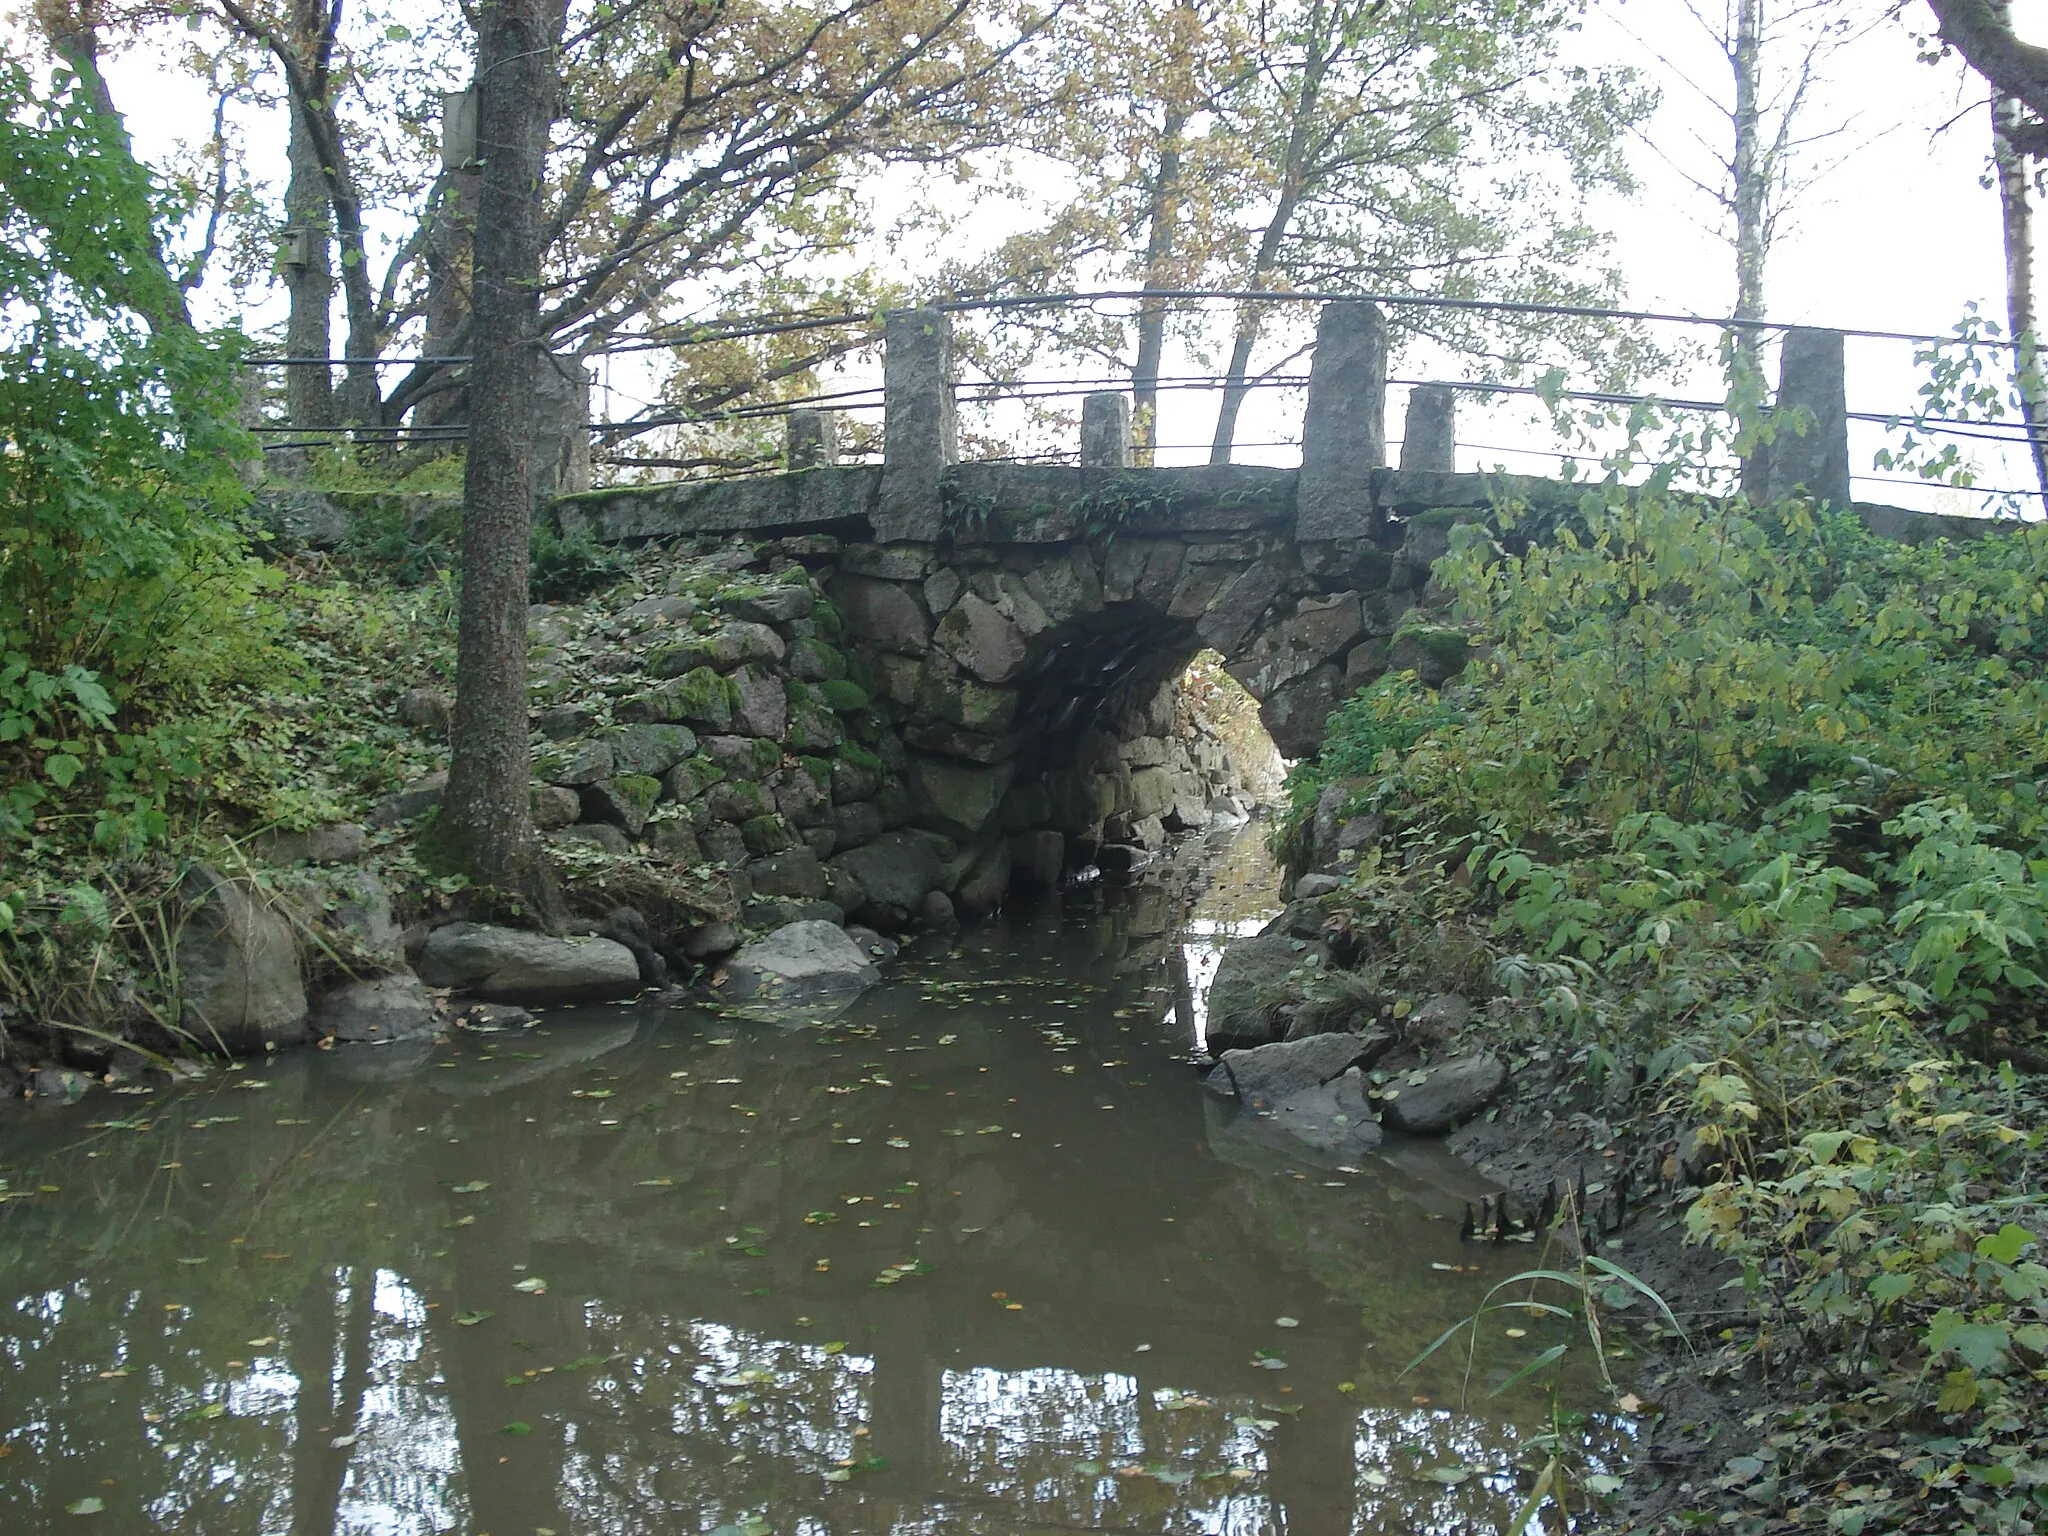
{"type": "Point", "coordinates": [568, 569]}
{"type": "Point", "coordinates": [126, 592]}
{"type": "Point", "coordinates": [1747, 807]}
{"type": "Point", "coordinates": [1390, 715]}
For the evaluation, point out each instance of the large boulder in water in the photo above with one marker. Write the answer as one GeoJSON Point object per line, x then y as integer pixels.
{"type": "Point", "coordinates": [506, 965]}
{"type": "Point", "coordinates": [377, 1010]}
{"type": "Point", "coordinates": [1268, 1075]}
{"type": "Point", "coordinates": [893, 873]}
{"type": "Point", "coordinates": [801, 962]}
{"type": "Point", "coordinates": [238, 967]}
{"type": "Point", "coordinates": [1437, 1100]}
{"type": "Point", "coordinates": [1250, 983]}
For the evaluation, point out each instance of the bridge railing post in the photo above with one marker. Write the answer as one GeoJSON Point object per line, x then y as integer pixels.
{"type": "Point", "coordinates": [813, 439]}
{"type": "Point", "coordinates": [920, 440]}
{"type": "Point", "coordinates": [1429, 433]}
{"type": "Point", "coordinates": [1106, 431]}
{"type": "Point", "coordinates": [1811, 374]}
{"type": "Point", "coordinates": [1344, 429]}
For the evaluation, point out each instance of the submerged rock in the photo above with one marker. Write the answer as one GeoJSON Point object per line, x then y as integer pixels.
{"type": "Point", "coordinates": [894, 872]}
{"type": "Point", "coordinates": [377, 1010]}
{"type": "Point", "coordinates": [1268, 1075]}
{"type": "Point", "coordinates": [801, 962]}
{"type": "Point", "coordinates": [507, 965]}
{"type": "Point", "coordinates": [1437, 1100]}
{"type": "Point", "coordinates": [1334, 1117]}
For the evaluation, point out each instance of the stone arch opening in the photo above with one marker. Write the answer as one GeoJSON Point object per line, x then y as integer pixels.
{"type": "Point", "coordinates": [1037, 684]}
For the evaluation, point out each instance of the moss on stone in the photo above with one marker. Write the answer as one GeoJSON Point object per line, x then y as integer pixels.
{"type": "Point", "coordinates": [764, 835]}
{"type": "Point", "coordinates": [702, 695]}
{"type": "Point", "coordinates": [1447, 517]}
{"type": "Point", "coordinates": [843, 697]}
{"type": "Point", "coordinates": [828, 661]}
{"type": "Point", "coordinates": [704, 771]}
{"type": "Point", "coordinates": [859, 756]}
{"type": "Point", "coordinates": [767, 754]}
{"type": "Point", "coordinates": [1439, 642]}
{"type": "Point", "coordinates": [639, 790]}
{"type": "Point", "coordinates": [828, 619]}
{"type": "Point", "coordinates": [820, 769]}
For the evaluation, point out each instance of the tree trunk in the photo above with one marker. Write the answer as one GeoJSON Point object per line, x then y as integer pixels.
{"type": "Point", "coordinates": [2007, 116]}
{"type": "Point", "coordinates": [1159, 215]}
{"type": "Point", "coordinates": [309, 331]}
{"type": "Point", "coordinates": [489, 826]}
{"type": "Point", "coordinates": [1293, 177]}
{"type": "Point", "coordinates": [1747, 198]}
{"type": "Point", "coordinates": [450, 248]}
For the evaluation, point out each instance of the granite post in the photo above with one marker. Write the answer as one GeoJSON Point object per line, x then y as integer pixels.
{"type": "Point", "coordinates": [1813, 377]}
{"type": "Point", "coordinates": [1106, 431]}
{"type": "Point", "coordinates": [919, 439]}
{"type": "Point", "coordinates": [1429, 437]}
{"type": "Point", "coordinates": [813, 439]}
{"type": "Point", "coordinates": [1343, 432]}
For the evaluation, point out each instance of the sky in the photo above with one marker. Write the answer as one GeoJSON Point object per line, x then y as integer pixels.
{"type": "Point", "coordinates": [1901, 234]}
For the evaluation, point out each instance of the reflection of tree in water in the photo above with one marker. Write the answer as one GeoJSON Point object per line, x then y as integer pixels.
{"type": "Point", "coordinates": [678, 1373]}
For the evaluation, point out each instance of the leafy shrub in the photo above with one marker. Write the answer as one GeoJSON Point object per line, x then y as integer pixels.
{"type": "Point", "coordinates": [1747, 806]}
{"type": "Point", "coordinates": [567, 569]}
{"type": "Point", "coordinates": [125, 589]}
{"type": "Point", "coordinates": [1390, 715]}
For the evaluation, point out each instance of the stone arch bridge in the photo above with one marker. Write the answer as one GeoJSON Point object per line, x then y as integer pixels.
{"type": "Point", "coordinates": [1023, 621]}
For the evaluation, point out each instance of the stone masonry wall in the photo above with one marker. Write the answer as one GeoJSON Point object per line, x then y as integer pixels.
{"type": "Point", "coordinates": [738, 716]}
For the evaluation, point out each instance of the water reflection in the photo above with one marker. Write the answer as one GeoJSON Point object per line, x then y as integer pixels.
{"type": "Point", "coordinates": [972, 1259]}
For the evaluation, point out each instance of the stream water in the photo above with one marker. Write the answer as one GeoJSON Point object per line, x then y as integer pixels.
{"type": "Point", "coordinates": [977, 1256]}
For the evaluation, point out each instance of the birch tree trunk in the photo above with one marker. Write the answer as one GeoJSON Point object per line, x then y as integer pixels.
{"type": "Point", "coordinates": [2007, 118]}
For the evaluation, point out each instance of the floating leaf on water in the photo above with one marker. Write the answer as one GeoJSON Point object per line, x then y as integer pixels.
{"type": "Point", "coordinates": [1286, 1322]}
{"type": "Point", "coordinates": [1602, 1483]}
{"type": "Point", "coordinates": [533, 1285]}
{"type": "Point", "coordinates": [85, 1507]}
{"type": "Point", "coordinates": [657, 1183]}
{"type": "Point", "coordinates": [1517, 1333]}
{"type": "Point", "coordinates": [471, 1319]}
{"type": "Point", "coordinates": [1142, 1349]}
{"type": "Point", "coordinates": [1450, 1477]}
{"type": "Point", "coordinates": [475, 1187]}
{"type": "Point", "coordinates": [1375, 1477]}
{"type": "Point", "coordinates": [839, 1475]}
{"type": "Point", "coordinates": [342, 1442]}
{"type": "Point", "coordinates": [898, 1141]}
{"type": "Point", "coordinates": [1089, 1468]}
{"type": "Point", "coordinates": [836, 1347]}
{"type": "Point", "coordinates": [947, 1039]}
{"type": "Point", "coordinates": [1270, 1363]}
{"type": "Point", "coordinates": [517, 1427]}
